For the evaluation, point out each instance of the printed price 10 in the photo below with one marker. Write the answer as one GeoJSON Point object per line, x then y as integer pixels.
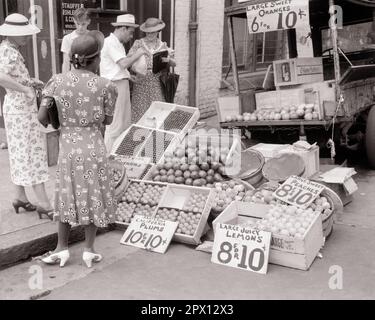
{"type": "Point", "coordinates": [300, 197]}
{"type": "Point", "coordinates": [149, 241]}
{"type": "Point", "coordinates": [254, 261]}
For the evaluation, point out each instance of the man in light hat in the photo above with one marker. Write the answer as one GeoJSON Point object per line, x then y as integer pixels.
{"type": "Point", "coordinates": [114, 66]}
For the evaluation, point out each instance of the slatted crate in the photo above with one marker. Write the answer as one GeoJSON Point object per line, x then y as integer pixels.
{"type": "Point", "coordinates": [170, 117]}
{"type": "Point", "coordinates": [175, 197]}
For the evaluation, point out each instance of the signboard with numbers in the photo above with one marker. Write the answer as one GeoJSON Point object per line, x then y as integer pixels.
{"type": "Point", "coordinates": [149, 234]}
{"type": "Point", "coordinates": [241, 248]}
{"type": "Point", "coordinates": [299, 192]}
{"type": "Point", "coordinates": [278, 15]}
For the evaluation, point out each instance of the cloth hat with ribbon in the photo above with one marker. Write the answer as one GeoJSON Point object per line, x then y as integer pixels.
{"type": "Point", "coordinates": [152, 25]}
{"type": "Point", "coordinates": [17, 25]}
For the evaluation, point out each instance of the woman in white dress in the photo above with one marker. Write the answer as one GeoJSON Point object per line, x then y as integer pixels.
{"type": "Point", "coordinates": [27, 145]}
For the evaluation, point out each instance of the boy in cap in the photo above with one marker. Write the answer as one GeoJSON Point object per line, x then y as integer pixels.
{"type": "Point", "coordinates": [81, 20]}
{"type": "Point", "coordinates": [114, 66]}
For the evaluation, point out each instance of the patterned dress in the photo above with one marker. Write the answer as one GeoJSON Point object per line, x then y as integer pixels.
{"type": "Point", "coordinates": [149, 89]}
{"type": "Point", "coordinates": [27, 143]}
{"type": "Point", "coordinates": [84, 194]}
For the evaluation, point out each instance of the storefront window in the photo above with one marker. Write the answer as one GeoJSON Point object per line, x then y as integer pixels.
{"type": "Point", "coordinates": [254, 52]}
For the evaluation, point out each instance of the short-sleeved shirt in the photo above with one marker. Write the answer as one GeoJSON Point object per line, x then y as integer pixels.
{"type": "Point", "coordinates": [113, 51]}
{"type": "Point", "coordinates": [68, 41]}
{"type": "Point", "coordinates": [83, 99]}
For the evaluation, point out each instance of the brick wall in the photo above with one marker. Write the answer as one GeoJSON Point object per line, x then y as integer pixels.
{"type": "Point", "coordinates": [209, 52]}
{"type": "Point", "coordinates": [182, 17]}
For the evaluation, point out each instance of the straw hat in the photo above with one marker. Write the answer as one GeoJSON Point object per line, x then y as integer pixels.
{"type": "Point", "coordinates": [17, 25]}
{"type": "Point", "coordinates": [152, 25]}
{"type": "Point", "coordinates": [125, 20]}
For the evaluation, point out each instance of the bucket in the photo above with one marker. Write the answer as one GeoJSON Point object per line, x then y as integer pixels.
{"type": "Point", "coordinates": [252, 163]}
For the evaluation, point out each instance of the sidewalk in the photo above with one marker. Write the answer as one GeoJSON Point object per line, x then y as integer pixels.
{"type": "Point", "coordinates": [23, 236]}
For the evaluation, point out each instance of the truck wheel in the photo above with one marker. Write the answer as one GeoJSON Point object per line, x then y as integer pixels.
{"type": "Point", "coordinates": [370, 137]}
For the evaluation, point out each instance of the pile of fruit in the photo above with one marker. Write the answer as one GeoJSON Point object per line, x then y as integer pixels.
{"type": "Point", "coordinates": [226, 193]}
{"type": "Point", "coordinates": [260, 196]}
{"type": "Point", "coordinates": [199, 165]}
{"type": "Point", "coordinates": [286, 221]}
{"type": "Point", "coordinates": [307, 112]}
{"type": "Point", "coordinates": [188, 221]}
{"type": "Point", "coordinates": [196, 203]}
{"type": "Point", "coordinates": [139, 199]}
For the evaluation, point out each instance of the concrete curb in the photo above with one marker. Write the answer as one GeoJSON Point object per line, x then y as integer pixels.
{"type": "Point", "coordinates": [20, 247]}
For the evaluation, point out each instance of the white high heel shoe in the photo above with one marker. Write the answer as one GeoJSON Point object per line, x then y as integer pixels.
{"type": "Point", "coordinates": [61, 257]}
{"type": "Point", "coordinates": [89, 258]}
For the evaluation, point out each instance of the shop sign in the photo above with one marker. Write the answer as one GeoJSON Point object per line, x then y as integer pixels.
{"type": "Point", "coordinates": [68, 7]}
{"type": "Point", "coordinates": [278, 15]}
{"type": "Point", "coordinates": [150, 234]}
{"type": "Point", "coordinates": [241, 248]}
{"type": "Point", "coordinates": [299, 192]}
{"type": "Point", "coordinates": [135, 167]}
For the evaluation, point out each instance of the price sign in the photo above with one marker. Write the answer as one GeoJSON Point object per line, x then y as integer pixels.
{"type": "Point", "coordinates": [135, 167]}
{"type": "Point", "coordinates": [241, 248]}
{"type": "Point", "coordinates": [299, 192]}
{"type": "Point", "coordinates": [149, 234]}
{"type": "Point", "coordinates": [278, 15]}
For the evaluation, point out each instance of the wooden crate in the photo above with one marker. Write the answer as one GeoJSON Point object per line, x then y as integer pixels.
{"type": "Point", "coordinates": [298, 71]}
{"type": "Point", "coordinates": [168, 200]}
{"type": "Point", "coordinates": [159, 111]}
{"type": "Point", "coordinates": [285, 251]}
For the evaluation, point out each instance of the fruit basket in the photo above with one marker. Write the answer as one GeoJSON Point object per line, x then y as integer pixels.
{"type": "Point", "coordinates": [328, 203]}
{"type": "Point", "coordinates": [198, 161]}
{"type": "Point", "coordinates": [170, 117]}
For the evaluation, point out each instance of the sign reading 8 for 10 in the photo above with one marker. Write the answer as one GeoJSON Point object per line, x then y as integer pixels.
{"type": "Point", "coordinates": [299, 192]}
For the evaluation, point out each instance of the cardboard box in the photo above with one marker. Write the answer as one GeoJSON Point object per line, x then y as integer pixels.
{"type": "Point", "coordinates": [298, 71]}
{"type": "Point", "coordinates": [344, 190]}
{"type": "Point", "coordinates": [279, 99]}
{"type": "Point", "coordinates": [228, 107]}
{"type": "Point", "coordinates": [285, 251]}
{"type": "Point", "coordinates": [310, 157]}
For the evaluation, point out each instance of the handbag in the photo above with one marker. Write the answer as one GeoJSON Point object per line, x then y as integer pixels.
{"type": "Point", "coordinates": [48, 113]}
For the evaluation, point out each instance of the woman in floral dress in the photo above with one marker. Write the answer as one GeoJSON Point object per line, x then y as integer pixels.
{"type": "Point", "coordinates": [84, 194]}
{"type": "Point", "coordinates": [148, 88]}
{"type": "Point", "coordinates": [27, 144]}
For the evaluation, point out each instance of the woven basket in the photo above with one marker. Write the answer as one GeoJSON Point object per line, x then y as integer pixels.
{"type": "Point", "coordinates": [337, 208]}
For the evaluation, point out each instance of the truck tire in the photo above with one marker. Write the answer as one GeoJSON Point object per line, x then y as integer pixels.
{"type": "Point", "coordinates": [370, 137]}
